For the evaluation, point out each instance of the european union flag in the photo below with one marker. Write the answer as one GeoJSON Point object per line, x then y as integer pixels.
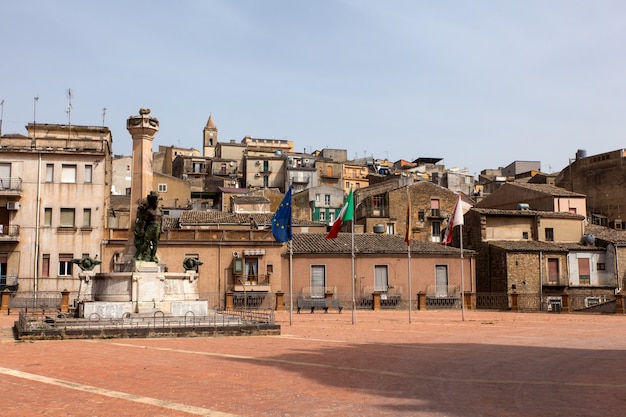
{"type": "Point", "coordinates": [281, 221]}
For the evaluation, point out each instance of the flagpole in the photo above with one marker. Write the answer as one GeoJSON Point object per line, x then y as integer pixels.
{"type": "Point", "coordinates": [408, 248]}
{"type": "Point", "coordinates": [353, 277]}
{"type": "Point", "coordinates": [290, 281]}
{"type": "Point", "coordinates": [462, 277]}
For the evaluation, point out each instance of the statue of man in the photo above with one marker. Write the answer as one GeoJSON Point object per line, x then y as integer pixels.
{"type": "Point", "coordinates": [148, 228]}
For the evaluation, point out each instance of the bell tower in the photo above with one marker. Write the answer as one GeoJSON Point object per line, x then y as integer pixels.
{"type": "Point", "coordinates": [210, 138]}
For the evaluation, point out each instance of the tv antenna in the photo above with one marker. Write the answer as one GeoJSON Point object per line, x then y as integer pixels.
{"type": "Point", "coordinates": [1, 115]}
{"type": "Point", "coordinates": [104, 113]}
{"type": "Point", "coordinates": [69, 112]}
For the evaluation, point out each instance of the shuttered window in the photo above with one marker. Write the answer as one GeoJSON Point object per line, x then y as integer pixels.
{"type": "Point", "coordinates": [553, 271]}
{"type": "Point", "coordinates": [318, 281]}
{"type": "Point", "coordinates": [584, 271]}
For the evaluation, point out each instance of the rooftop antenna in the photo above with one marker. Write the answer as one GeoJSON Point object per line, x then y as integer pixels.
{"type": "Point", "coordinates": [104, 113]}
{"type": "Point", "coordinates": [1, 115]}
{"type": "Point", "coordinates": [69, 112]}
{"type": "Point", "coordinates": [35, 100]}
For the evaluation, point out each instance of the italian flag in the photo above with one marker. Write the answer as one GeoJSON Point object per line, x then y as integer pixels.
{"type": "Point", "coordinates": [346, 214]}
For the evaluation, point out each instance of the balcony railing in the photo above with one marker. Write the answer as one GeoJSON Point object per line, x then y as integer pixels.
{"type": "Point", "coordinates": [252, 279]}
{"type": "Point", "coordinates": [9, 231]}
{"type": "Point", "coordinates": [12, 185]}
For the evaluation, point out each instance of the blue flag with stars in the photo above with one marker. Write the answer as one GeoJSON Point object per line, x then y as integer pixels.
{"type": "Point", "coordinates": [281, 221]}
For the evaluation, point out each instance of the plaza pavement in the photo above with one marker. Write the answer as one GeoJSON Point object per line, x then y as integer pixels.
{"type": "Point", "coordinates": [489, 364]}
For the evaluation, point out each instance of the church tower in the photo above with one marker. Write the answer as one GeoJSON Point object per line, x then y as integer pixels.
{"type": "Point", "coordinates": [210, 138]}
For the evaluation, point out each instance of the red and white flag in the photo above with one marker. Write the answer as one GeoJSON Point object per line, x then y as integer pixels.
{"type": "Point", "coordinates": [456, 219]}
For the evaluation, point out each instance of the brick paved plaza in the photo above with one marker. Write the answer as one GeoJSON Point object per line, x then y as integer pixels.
{"type": "Point", "coordinates": [490, 364]}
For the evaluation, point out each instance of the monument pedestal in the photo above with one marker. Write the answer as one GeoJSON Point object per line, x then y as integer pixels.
{"type": "Point", "coordinates": [146, 290]}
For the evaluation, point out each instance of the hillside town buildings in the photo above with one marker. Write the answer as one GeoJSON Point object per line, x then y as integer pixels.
{"type": "Point", "coordinates": [527, 243]}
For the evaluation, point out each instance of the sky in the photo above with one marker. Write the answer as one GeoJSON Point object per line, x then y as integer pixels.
{"type": "Point", "coordinates": [478, 83]}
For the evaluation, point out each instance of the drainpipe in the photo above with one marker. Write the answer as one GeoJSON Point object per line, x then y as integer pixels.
{"type": "Point", "coordinates": [540, 280]}
{"type": "Point", "coordinates": [37, 226]}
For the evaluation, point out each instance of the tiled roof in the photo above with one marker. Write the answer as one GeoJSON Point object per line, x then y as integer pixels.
{"type": "Point", "coordinates": [539, 246]}
{"type": "Point", "coordinates": [189, 218]}
{"type": "Point", "coordinates": [527, 213]}
{"type": "Point", "coordinates": [365, 243]}
{"type": "Point", "coordinates": [606, 234]}
{"type": "Point", "coordinates": [553, 190]}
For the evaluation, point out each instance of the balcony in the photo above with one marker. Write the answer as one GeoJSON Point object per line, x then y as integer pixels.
{"type": "Point", "coordinates": [9, 233]}
{"type": "Point", "coordinates": [8, 282]}
{"type": "Point", "coordinates": [251, 283]}
{"type": "Point", "coordinates": [11, 186]}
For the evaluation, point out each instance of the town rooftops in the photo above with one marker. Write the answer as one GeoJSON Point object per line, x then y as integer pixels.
{"type": "Point", "coordinates": [367, 243]}
{"type": "Point", "coordinates": [549, 189]}
{"type": "Point", "coordinates": [527, 213]}
{"type": "Point", "coordinates": [540, 246]}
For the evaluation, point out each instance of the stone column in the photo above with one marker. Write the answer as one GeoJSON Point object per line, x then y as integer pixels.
{"type": "Point", "coordinates": [329, 300]}
{"type": "Point", "coordinates": [514, 304]}
{"type": "Point", "coordinates": [279, 301]}
{"type": "Point", "coordinates": [65, 301]}
{"type": "Point", "coordinates": [229, 301]}
{"type": "Point", "coordinates": [142, 129]}
{"type": "Point", "coordinates": [421, 298]}
{"type": "Point", "coordinates": [376, 301]}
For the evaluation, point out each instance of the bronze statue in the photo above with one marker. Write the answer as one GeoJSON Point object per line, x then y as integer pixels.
{"type": "Point", "coordinates": [191, 264]}
{"type": "Point", "coordinates": [86, 263]}
{"type": "Point", "coordinates": [147, 229]}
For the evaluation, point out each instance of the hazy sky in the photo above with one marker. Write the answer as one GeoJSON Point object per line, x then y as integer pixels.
{"type": "Point", "coordinates": [477, 83]}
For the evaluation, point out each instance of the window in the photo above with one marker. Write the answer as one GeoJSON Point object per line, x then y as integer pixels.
{"type": "Point", "coordinates": [65, 265]}
{"type": "Point", "coordinates": [162, 188]}
{"type": "Point", "coordinates": [584, 273]}
{"type": "Point", "coordinates": [441, 280]}
{"type": "Point", "coordinates": [87, 218]}
{"type": "Point", "coordinates": [68, 174]}
{"type": "Point", "coordinates": [421, 216]}
{"type": "Point", "coordinates": [252, 269]}
{"type": "Point", "coordinates": [601, 266]}
{"type": "Point", "coordinates": [318, 281]}
{"type": "Point", "coordinates": [67, 217]}
{"type": "Point", "coordinates": [3, 268]}
{"type": "Point", "coordinates": [549, 234]}
{"type": "Point", "coordinates": [391, 229]}
{"type": "Point", "coordinates": [269, 268]}
{"type": "Point", "coordinates": [322, 216]}
{"type": "Point", "coordinates": [347, 184]}
{"type": "Point", "coordinates": [381, 278]}
{"type": "Point", "coordinates": [327, 199]}
{"type": "Point", "coordinates": [553, 271]}
{"type": "Point", "coordinates": [266, 181]}
{"type": "Point", "coordinates": [436, 229]}
{"type": "Point", "coordinates": [525, 235]}
{"type": "Point", "coordinates": [377, 202]}
{"type": "Point", "coordinates": [88, 173]}
{"type": "Point", "coordinates": [434, 207]}
{"type": "Point", "coordinates": [47, 217]}
{"type": "Point", "coordinates": [45, 265]}
{"type": "Point", "coordinates": [317, 198]}
{"type": "Point", "coordinates": [358, 185]}
{"type": "Point", "coordinates": [266, 166]}
{"type": "Point", "coordinates": [572, 210]}
{"type": "Point", "coordinates": [49, 172]}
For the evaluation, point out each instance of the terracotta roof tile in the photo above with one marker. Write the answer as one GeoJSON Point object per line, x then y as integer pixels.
{"type": "Point", "coordinates": [365, 243]}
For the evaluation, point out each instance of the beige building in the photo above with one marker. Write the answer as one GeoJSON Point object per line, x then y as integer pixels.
{"type": "Point", "coordinates": [53, 203]}
{"type": "Point", "coordinates": [323, 266]}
